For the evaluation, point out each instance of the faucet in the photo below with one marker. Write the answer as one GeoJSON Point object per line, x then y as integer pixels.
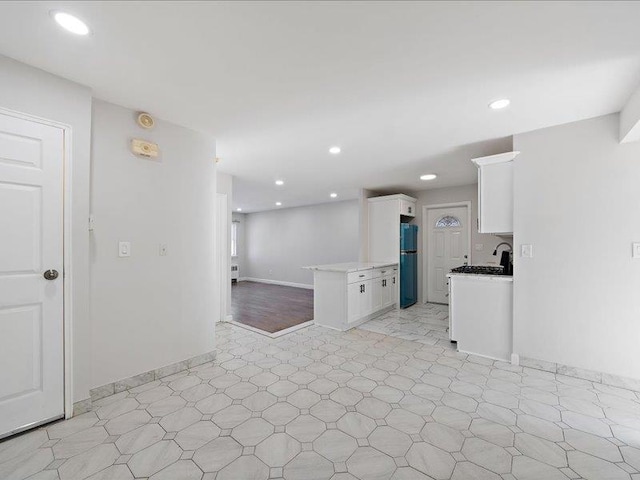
{"type": "Point", "coordinates": [508, 268]}
{"type": "Point", "coordinates": [495, 252]}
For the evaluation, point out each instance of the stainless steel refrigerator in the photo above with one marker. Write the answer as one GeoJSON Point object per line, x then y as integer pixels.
{"type": "Point", "coordinates": [408, 264]}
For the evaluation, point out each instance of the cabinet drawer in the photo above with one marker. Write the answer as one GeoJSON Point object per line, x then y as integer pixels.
{"type": "Point", "coordinates": [359, 276]}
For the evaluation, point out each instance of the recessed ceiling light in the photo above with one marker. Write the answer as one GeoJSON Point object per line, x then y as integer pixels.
{"type": "Point", "coordinates": [334, 150]}
{"type": "Point", "coordinates": [333, 195]}
{"type": "Point", "coordinates": [428, 176]}
{"type": "Point", "coordinates": [70, 23]}
{"type": "Point", "coordinates": [278, 204]}
{"type": "Point", "coordinates": [498, 104]}
{"type": "Point", "coordinates": [238, 209]}
{"type": "Point", "coordinates": [279, 182]}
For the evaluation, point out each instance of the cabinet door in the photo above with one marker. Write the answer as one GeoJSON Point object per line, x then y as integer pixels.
{"type": "Point", "coordinates": [407, 208]}
{"type": "Point", "coordinates": [366, 298]}
{"type": "Point", "coordinates": [495, 198]}
{"type": "Point", "coordinates": [387, 291]}
{"type": "Point", "coordinates": [394, 288]}
{"type": "Point", "coordinates": [377, 294]}
{"type": "Point", "coordinates": [353, 301]}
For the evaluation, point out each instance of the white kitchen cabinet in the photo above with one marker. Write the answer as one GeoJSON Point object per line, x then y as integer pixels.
{"type": "Point", "coordinates": [354, 291]}
{"type": "Point", "coordinates": [346, 295]}
{"type": "Point", "coordinates": [377, 293]}
{"type": "Point", "coordinates": [385, 214]}
{"type": "Point", "coordinates": [481, 314]}
{"type": "Point", "coordinates": [495, 193]}
{"type": "Point", "coordinates": [407, 207]}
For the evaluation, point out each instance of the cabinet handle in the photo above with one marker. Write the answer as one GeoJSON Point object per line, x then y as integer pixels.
{"type": "Point", "coordinates": [361, 276]}
{"type": "Point", "coordinates": [394, 280]}
{"type": "Point", "coordinates": [364, 288]}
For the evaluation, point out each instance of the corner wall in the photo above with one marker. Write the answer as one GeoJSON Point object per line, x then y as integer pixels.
{"type": "Point", "coordinates": [149, 310]}
{"type": "Point", "coordinates": [224, 185]}
{"type": "Point", "coordinates": [577, 197]}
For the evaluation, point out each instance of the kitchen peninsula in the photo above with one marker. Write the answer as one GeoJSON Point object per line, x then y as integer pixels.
{"type": "Point", "coordinates": [348, 294]}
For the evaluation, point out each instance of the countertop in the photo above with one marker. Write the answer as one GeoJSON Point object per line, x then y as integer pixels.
{"type": "Point", "coordinates": [350, 266]}
{"type": "Point", "coordinates": [485, 277]}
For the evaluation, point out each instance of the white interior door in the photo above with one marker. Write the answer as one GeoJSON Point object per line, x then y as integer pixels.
{"type": "Point", "coordinates": [31, 242]}
{"type": "Point", "coordinates": [447, 248]}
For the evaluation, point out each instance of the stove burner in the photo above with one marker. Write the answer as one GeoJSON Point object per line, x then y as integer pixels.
{"type": "Point", "coordinates": [478, 270]}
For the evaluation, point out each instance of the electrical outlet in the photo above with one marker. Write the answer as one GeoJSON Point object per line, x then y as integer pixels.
{"type": "Point", "coordinates": [635, 250]}
{"type": "Point", "coordinates": [162, 250]}
{"type": "Point", "coordinates": [479, 247]}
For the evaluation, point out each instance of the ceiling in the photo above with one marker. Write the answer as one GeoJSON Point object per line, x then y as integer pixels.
{"type": "Point", "coordinates": [401, 87]}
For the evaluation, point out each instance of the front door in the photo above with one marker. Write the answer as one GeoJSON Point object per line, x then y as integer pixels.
{"type": "Point", "coordinates": [31, 244]}
{"type": "Point", "coordinates": [447, 247]}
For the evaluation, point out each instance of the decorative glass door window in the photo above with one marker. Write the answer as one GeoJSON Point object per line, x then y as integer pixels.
{"type": "Point", "coordinates": [448, 221]}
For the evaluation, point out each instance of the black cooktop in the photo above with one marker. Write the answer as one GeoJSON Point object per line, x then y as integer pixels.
{"type": "Point", "coordinates": [478, 270]}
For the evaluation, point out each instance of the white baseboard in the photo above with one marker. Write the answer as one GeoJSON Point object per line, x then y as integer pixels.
{"type": "Point", "coordinates": [228, 318]}
{"type": "Point", "coordinates": [276, 282]}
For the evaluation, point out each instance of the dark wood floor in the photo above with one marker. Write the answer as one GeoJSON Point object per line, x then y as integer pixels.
{"type": "Point", "coordinates": [270, 307]}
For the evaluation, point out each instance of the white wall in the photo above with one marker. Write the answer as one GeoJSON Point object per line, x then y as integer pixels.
{"type": "Point", "coordinates": [577, 198]}
{"type": "Point", "coordinates": [149, 310]}
{"type": "Point", "coordinates": [450, 195]}
{"type": "Point", "coordinates": [280, 242]}
{"type": "Point", "coordinates": [241, 258]}
{"type": "Point", "coordinates": [29, 90]}
{"type": "Point", "coordinates": [224, 186]}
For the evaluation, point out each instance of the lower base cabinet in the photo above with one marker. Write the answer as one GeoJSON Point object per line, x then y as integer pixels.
{"type": "Point", "coordinates": [343, 300]}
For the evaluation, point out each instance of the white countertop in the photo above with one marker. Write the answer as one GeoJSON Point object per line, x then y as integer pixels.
{"type": "Point", "coordinates": [490, 278]}
{"type": "Point", "coordinates": [350, 266]}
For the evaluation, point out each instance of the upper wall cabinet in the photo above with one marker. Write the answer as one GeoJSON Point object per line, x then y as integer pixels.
{"type": "Point", "coordinates": [495, 193]}
{"type": "Point", "coordinates": [385, 215]}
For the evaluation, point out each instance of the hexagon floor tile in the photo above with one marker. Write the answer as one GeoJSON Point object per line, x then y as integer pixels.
{"type": "Point", "coordinates": [390, 400]}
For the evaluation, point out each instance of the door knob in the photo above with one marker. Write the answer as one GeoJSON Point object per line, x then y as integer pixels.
{"type": "Point", "coordinates": [50, 274]}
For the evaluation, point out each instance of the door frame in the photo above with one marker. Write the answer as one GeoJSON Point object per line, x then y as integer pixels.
{"type": "Point", "coordinates": [67, 274]}
{"type": "Point", "coordinates": [425, 239]}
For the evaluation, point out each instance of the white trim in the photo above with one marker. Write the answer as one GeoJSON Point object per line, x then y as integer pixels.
{"type": "Point", "coordinates": [425, 237]}
{"type": "Point", "coordinates": [515, 359]}
{"type": "Point", "coordinates": [276, 282]}
{"type": "Point", "coordinates": [483, 356]}
{"type": "Point", "coordinates": [67, 276]}
{"type": "Point", "coordinates": [277, 334]}
{"type": "Point", "coordinates": [493, 159]}
{"type": "Point", "coordinates": [400, 196]}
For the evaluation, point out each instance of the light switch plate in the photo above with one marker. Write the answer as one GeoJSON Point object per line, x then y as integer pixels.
{"type": "Point", "coordinates": [526, 251]}
{"type": "Point", "coordinates": [124, 249]}
{"type": "Point", "coordinates": [635, 252]}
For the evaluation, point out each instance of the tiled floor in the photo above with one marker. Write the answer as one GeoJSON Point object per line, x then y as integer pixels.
{"type": "Point", "coordinates": [423, 323]}
{"type": "Point", "coordinates": [321, 404]}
